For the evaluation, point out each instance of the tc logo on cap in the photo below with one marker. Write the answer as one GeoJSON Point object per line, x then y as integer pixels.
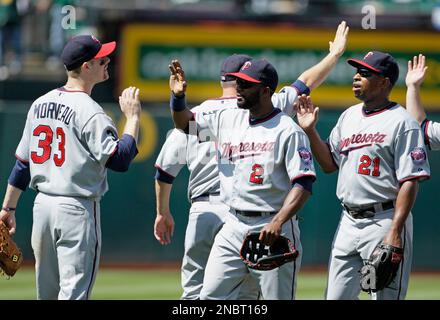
{"type": "Point", "coordinates": [93, 37]}
{"type": "Point", "coordinates": [246, 65]}
{"type": "Point", "coordinates": [368, 54]}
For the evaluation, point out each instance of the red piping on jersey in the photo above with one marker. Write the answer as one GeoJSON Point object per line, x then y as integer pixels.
{"type": "Point", "coordinates": [425, 177]}
{"type": "Point", "coordinates": [65, 90]}
{"type": "Point", "coordinates": [163, 171]}
{"type": "Point", "coordinates": [25, 161]}
{"type": "Point", "coordinates": [389, 106]}
{"type": "Point", "coordinates": [303, 175]}
{"type": "Point", "coordinates": [274, 112]}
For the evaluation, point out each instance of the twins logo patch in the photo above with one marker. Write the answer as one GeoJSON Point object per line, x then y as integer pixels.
{"type": "Point", "coordinates": [418, 155]}
{"type": "Point", "coordinates": [305, 155]}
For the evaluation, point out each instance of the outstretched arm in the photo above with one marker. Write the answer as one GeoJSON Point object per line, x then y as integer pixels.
{"type": "Point", "coordinates": [414, 79]}
{"type": "Point", "coordinates": [315, 75]}
{"type": "Point", "coordinates": [164, 223]}
{"type": "Point", "coordinates": [180, 113]}
{"type": "Point", "coordinates": [307, 115]}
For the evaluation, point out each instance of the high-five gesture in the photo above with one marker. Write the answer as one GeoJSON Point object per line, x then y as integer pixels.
{"type": "Point", "coordinates": [177, 78]}
{"type": "Point", "coordinates": [416, 71]}
{"type": "Point", "coordinates": [337, 46]}
{"type": "Point", "coordinates": [414, 79]}
{"type": "Point", "coordinates": [307, 113]}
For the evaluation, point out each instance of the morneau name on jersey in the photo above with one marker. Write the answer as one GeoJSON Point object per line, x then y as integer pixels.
{"type": "Point", "coordinates": [55, 111]}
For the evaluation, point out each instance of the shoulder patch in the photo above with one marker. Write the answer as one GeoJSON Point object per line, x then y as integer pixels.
{"type": "Point", "coordinates": [305, 155]}
{"type": "Point", "coordinates": [418, 155]}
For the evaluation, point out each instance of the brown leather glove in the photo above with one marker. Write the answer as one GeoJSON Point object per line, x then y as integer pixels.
{"type": "Point", "coordinates": [10, 254]}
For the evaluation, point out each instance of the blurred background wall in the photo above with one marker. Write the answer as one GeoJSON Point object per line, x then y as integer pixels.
{"type": "Point", "coordinates": [293, 35]}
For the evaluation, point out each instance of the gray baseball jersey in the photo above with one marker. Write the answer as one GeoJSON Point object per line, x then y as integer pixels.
{"type": "Point", "coordinates": [180, 149]}
{"type": "Point", "coordinates": [67, 141]}
{"type": "Point", "coordinates": [375, 153]}
{"type": "Point", "coordinates": [432, 134]}
{"type": "Point", "coordinates": [257, 160]}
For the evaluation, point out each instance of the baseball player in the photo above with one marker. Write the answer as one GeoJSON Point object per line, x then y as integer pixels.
{"type": "Point", "coordinates": [266, 175]}
{"type": "Point", "coordinates": [414, 79]}
{"type": "Point", "coordinates": [207, 213]}
{"type": "Point", "coordinates": [379, 151]}
{"type": "Point", "coordinates": [68, 144]}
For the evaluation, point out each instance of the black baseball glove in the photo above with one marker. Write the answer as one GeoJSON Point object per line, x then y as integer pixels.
{"type": "Point", "coordinates": [381, 269]}
{"type": "Point", "coordinates": [258, 256]}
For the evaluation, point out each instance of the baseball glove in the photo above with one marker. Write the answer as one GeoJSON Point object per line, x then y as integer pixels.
{"type": "Point", "coordinates": [381, 269]}
{"type": "Point", "coordinates": [10, 255]}
{"type": "Point", "coordinates": [261, 257]}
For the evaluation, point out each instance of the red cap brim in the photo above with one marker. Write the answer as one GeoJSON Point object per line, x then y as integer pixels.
{"type": "Point", "coordinates": [106, 49]}
{"type": "Point", "coordinates": [243, 76]}
{"type": "Point", "coordinates": [356, 63]}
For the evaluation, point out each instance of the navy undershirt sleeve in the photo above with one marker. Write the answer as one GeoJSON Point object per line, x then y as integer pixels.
{"type": "Point", "coordinates": [305, 182]}
{"type": "Point", "coordinates": [163, 176]}
{"type": "Point", "coordinates": [301, 87]}
{"type": "Point", "coordinates": [20, 175]}
{"type": "Point", "coordinates": [124, 154]}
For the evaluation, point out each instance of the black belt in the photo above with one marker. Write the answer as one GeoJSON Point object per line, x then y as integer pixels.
{"type": "Point", "coordinates": [204, 197]}
{"type": "Point", "coordinates": [254, 213]}
{"type": "Point", "coordinates": [368, 212]}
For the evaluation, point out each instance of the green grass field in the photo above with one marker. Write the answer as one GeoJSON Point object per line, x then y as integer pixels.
{"type": "Point", "coordinates": [136, 284]}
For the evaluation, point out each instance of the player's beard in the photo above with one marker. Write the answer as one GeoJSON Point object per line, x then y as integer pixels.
{"type": "Point", "coordinates": [249, 102]}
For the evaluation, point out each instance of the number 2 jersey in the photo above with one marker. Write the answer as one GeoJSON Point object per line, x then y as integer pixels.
{"type": "Point", "coordinates": [67, 141]}
{"type": "Point", "coordinates": [375, 153]}
{"type": "Point", "coordinates": [258, 160]}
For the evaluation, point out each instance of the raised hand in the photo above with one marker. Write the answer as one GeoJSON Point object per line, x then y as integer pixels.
{"type": "Point", "coordinates": [416, 71]}
{"type": "Point", "coordinates": [130, 103]}
{"type": "Point", "coordinates": [177, 78]}
{"type": "Point", "coordinates": [307, 113]}
{"type": "Point", "coordinates": [337, 46]}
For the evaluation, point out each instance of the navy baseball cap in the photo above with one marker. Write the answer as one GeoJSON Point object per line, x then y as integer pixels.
{"type": "Point", "coordinates": [379, 62]}
{"type": "Point", "coordinates": [258, 71]}
{"type": "Point", "coordinates": [233, 64]}
{"type": "Point", "coordinates": [81, 49]}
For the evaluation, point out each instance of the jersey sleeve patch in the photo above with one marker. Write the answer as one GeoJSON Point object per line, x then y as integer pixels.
{"type": "Point", "coordinates": [418, 156]}
{"type": "Point", "coordinates": [306, 156]}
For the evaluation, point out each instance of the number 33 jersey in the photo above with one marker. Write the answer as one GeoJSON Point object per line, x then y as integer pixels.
{"type": "Point", "coordinates": [67, 141]}
{"type": "Point", "coordinates": [375, 153]}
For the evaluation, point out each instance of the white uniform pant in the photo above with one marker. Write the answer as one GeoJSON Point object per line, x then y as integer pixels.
{"type": "Point", "coordinates": [226, 273]}
{"type": "Point", "coordinates": [205, 220]}
{"type": "Point", "coordinates": [354, 241]}
{"type": "Point", "coordinates": [66, 240]}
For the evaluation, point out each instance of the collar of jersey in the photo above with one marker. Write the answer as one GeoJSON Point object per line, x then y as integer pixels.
{"type": "Point", "coordinates": [375, 112]}
{"type": "Point", "coordinates": [274, 112]}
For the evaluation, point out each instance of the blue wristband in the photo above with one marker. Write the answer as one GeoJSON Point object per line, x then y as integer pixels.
{"type": "Point", "coordinates": [177, 103]}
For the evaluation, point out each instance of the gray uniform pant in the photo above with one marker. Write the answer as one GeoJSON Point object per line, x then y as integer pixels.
{"type": "Point", "coordinates": [205, 220]}
{"type": "Point", "coordinates": [226, 273]}
{"type": "Point", "coordinates": [354, 241]}
{"type": "Point", "coordinates": [66, 240]}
